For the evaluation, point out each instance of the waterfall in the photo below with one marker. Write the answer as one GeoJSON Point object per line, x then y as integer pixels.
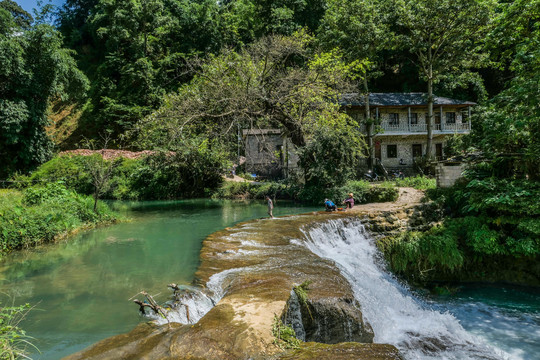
{"type": "Point", "coordinates": [190, 304]}
{"type": "Point", "coordinates": [397, 315]}
{"type": "Point", "coordinates": [293, 317]}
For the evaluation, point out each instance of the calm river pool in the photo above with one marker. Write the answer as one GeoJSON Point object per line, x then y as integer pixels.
{"type": "Point", "coordinates": [81, 287]}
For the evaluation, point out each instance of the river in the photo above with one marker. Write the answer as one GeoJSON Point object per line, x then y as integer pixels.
{"type": "Point", "coordinates": [81, 287]}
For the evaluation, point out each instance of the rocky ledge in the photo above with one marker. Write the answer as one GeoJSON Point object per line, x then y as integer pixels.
{"type": "Point", "coordinates": [260, 263]}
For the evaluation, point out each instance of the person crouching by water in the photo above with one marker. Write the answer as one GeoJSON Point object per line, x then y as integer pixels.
{"type": "Point", "coordinates": [349, 201]}
{"type": "Point", "coordinates": [329, 205]}
{"type": "Point", "coordinates": [270, 206]}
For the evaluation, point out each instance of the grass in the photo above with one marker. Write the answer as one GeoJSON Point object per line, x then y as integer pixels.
{"type": "Point", "coordinates": [417, 182]}
{"type": "Point", "coordinates": [43, 214]}
{"type": "Point", "coordinates": [13, 340]}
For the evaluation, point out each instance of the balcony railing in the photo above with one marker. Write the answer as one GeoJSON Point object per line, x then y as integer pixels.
{"type": "Point", "coordinates": [422, 128]}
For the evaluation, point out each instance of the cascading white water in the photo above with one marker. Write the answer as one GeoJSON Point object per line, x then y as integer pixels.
{"type": "Point", "coordinates": [397, 316]}
{"type": "Point", "coordinates": [191, 304]}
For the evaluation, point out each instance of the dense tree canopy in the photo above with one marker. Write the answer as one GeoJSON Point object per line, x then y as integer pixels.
{"type": "Point", "coordinates": [136, 53]}
{"type": "Point", "coordinates": [35, 69]}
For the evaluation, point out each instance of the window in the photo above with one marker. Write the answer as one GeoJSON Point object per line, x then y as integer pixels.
{"type": "Point", "coordinates": [393, 119]}
{"type": "Point", "coordinates": [417, 150]}
{"type": "Point", "coordinates": [414, 119]}
{"type": "Point", "coordinates": [450, 117]}
{"type": "Point", "coordinates": [464, 116]}
{"type": "Point", "coordinates": [436, 117]}
{"type": "Point", "coordinates": [391, 151]}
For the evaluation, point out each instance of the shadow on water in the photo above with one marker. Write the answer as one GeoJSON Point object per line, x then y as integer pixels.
{"type": "Point", "coordinates": [81, 286]}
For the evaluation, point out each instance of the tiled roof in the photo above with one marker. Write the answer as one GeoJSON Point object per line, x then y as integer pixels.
{"type": "Point", "coordinates": [261, 132]}
{"type": "Point", "coordinates": [398, 99]}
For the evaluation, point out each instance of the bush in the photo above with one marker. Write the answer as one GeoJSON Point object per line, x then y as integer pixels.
{"type": "Point", "coordinates": [42, 213]}
{"type": "Point", "coordinates": [362, 190]}
{"type": "Point", "coordinates": [415, 253]}
{"type": "Point", "coordinates": [418, 182]}
{"type": "Point", "coordinates": [486, 218]}
{"type": "Point", "coordinates": [13, 339]}
{"type": "Point", "coordinates": [384, 192]}
{"type": "Point", "coordinates": [193, 172]}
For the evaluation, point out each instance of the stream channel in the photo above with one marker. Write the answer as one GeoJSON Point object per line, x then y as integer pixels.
{"type": "Point", "coordinates": [81, 287]}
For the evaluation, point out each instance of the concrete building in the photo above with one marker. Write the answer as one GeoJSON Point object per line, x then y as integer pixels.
{"type": "Point", "coordinates": [268, 153]}
{"type": "Point", "coordinates": [400, 131]}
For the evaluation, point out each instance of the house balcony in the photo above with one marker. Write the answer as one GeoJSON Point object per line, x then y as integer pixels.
{"type": "Point", "coordinates": [389, 128]}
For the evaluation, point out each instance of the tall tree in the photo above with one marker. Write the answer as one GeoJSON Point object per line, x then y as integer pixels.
{"type": "Point", "coordinates": [21, 17]}
{"type": "Point", "coordinates": [509, 125]}
{"type": "Point", "coordinates": [34, 70]}
{"type": "Point", "coordinates": [445, 36]}
{"type": "Point", "coordinates": [360, 30]}
{"type": "Point", "coordinates": [275, 82]}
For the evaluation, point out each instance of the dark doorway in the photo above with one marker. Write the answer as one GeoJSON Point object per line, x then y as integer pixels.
{"type": "Point", "coordinates": [378, 150]}
{"type": "Point", "coordinates": [438, 151]}
{"type": "Point", "coordinates": [417, 150]}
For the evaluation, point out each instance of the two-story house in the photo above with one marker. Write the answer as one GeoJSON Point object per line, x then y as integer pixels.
{"type": "Point", "coordinates": [400, 124]}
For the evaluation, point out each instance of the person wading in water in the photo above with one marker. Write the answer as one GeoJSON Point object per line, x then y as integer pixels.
{"type": "Point", "coordinates": [270, 206]}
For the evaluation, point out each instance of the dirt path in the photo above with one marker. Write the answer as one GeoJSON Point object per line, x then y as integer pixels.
{"type": "Point", "coordinates": [408, 197]}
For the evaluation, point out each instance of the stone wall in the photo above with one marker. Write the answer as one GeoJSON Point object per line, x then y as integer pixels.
{"type": "Point", "coordinates": [268, 153]}
{"type": "Point", "coordinates": [448, 174]}
{"type": "Point", "coordinates": [404, 148]}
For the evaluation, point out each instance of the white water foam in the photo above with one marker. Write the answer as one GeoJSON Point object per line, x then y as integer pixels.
{"type": "Point", "coordinates": [191, 304]}
{"type": "Point", "coordinates": [397, 316]}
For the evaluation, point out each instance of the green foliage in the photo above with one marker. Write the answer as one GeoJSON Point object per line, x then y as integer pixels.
{"type": "Point", "coordinates": [13, 340]}
{"type": "Point", "coordinates": [35, 69]}
{"type": "Point", "coordinates": [284, 336]}
{"type": "Point", "coordinates": [331, 156]}
{"type": "Point", "coordinates": [382, 193]}
{"type": "Point", "coordinates": [419, 253]}
{"type": "Point", "coordinates": [363, 192]}
{"type": "Point", "coordinates": [193, 171]}
{"type": "Point", "coordinates": [418, 182]}
{"type": "Point", "coordinates": [42, 213]}
{"type": "Point", "coordinates": [301, 292]}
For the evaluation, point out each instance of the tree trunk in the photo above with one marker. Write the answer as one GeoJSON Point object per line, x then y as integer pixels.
{"type": "Point", "coordinates": [96, 197]}
{"type": "Point", "coordinates": [429, 120]}
{"type": "Point", "coordinates": [369, 125]}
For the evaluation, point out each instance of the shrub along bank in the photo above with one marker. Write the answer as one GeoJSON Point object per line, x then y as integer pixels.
{"type": "Point", "coordinates": [41, 214]}
{"type": "Point", "coordinates": [158, 176]}
{"type": "Point", "coordinates": [363, 192]}
{"type": "Point", "coordinates": [193, 174]}
{"type": "Point", "coordinates": [491, 231]}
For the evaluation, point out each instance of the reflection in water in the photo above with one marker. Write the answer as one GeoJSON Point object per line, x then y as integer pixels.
{"type": "Point", "coordinates": [81, 287]}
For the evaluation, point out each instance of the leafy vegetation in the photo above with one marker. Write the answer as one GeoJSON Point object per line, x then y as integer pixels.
{"type": "Point", "coordinates": [35, 69]}
{"type": "Point", "coordinates": [41, 214]}
{"type": "Point", "coordinates": [363, 192]}
{"type": "Point", "coordinates": [488, 218]}
{"type": "Point", "coordinates": [284, 335]}
{"type": "Point", "coordinates": [418, 182]}
{"type": "Point", "coordinates": [194, 172]}
{"type": "Point", "coordinates": [13, 340]}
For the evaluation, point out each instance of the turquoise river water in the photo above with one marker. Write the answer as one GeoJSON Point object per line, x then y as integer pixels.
{"type": "Point", "coordinates": [81, 287]}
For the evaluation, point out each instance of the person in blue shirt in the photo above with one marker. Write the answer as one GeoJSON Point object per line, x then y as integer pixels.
{"type": "Point", "coordinates": [329, 205]}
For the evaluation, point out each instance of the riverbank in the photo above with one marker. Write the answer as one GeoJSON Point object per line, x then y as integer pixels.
{"type": "Point", "coordinates": [46, 214]}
